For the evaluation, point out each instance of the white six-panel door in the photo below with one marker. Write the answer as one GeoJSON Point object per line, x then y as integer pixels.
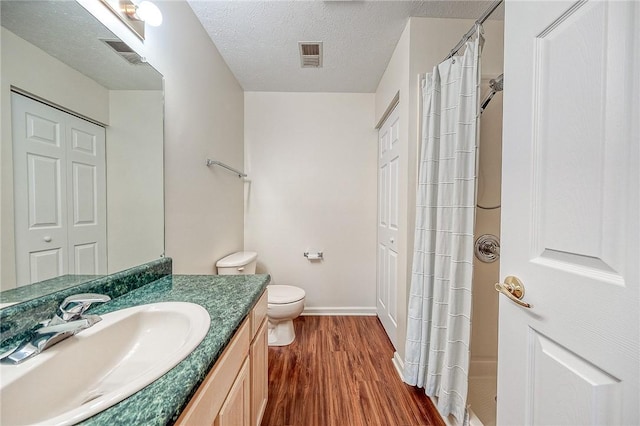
{"type": "Point", "coordinates": [86, 180]}
{"type": "Point", "coordinates": [388, 215]}
{"type": "Point", "coordinates": [40, 191]}
{"type": "Point", "coordinates": [570, 216]}
{"type": "Point", "coordinates": [59, 195]}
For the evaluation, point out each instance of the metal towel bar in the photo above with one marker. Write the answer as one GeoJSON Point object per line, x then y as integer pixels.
{"type": "Point", "coordinates": [218, 163]}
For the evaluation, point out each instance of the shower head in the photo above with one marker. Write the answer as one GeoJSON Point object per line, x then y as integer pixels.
{"type": "Point", "coordinates": [496, 84]}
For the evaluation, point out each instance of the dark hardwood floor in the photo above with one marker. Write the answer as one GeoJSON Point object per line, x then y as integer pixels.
{"type": "Point", "coordinates": [338, 371]}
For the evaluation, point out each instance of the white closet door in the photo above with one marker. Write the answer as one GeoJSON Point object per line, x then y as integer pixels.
{"type": "Point", "coordinates": [59, 193]}
{"type": "Point", "coordinates": [39, 153]}
{"type": "Point", "coordinates": [388, 216]}
{"type": "Point", "coordinates": [570, 216]}
{"type": "Point", "coordinates": [86, 197]}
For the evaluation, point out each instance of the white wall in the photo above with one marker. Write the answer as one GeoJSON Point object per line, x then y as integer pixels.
{"type": "Point", "coordinates": [424, 43]}
{"type": "Point", "coordinates": [203, 119]}
{"type": "Point", "coordinates": [31, 69]}
{"type": "Point", "coordinates": [135, 210]}
{"type": "Point", "coordinates": [311, 160]}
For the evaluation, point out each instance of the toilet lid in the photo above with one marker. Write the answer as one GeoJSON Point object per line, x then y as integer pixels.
{"type": "Point", "coordinates": [280, 294]}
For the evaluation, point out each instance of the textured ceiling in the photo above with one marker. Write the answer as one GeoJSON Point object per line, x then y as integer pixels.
{"type": "Point", "coordinates": [66, 31]}
{"type": "Point", "coordinates": [259, 39]}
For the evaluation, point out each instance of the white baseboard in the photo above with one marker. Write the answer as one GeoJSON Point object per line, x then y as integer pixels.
{"type": "Point", "coordinates": [347, 311]}
{"type": "Point", "coordinates": [398, 363]}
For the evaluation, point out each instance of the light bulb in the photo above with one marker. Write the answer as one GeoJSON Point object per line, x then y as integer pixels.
{"type": "Point", "coordinates": [149, 13]}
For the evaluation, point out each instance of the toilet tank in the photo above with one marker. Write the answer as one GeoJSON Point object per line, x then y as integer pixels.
{"type": "Point", "coordinates": [239, 263]}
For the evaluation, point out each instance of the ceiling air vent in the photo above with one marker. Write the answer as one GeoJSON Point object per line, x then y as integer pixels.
{"type": "Point", "coordinates": [123, 49]}
{"type": "Point", "coordinates": [310, 54]}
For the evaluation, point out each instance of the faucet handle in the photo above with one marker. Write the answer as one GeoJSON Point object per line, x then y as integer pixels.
{"type": "Point", "coordinates": [74, 306]}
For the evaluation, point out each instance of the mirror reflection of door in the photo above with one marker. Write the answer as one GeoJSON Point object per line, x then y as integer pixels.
{"type": "Point", "coordinates": [58, 52]}
{"type": "Point", "coordinates": [60, 187]}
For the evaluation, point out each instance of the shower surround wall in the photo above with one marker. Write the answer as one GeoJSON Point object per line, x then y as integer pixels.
{"type": "Point", "coordinates": [484, 320]}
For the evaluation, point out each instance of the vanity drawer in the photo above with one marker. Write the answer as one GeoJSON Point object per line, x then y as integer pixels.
{"type": "Point", "coordinates": [259, 313]}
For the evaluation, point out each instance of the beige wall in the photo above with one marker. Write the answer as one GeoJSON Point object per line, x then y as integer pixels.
{"type": "Point", "coordinates": [311, 159]}
{"type": "Point", "coordinates": [30, 69]}
{"type": "Point", "coordinates": [135, 211]}
{"type": "Point", "coordinates": [424, 43]}
{"type": "Point", "coordinates": [203, 119]}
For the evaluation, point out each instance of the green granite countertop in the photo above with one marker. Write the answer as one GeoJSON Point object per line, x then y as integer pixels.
{"type": "Point", "coordinates": [39, 289]}
{"type": "Point", "coordinates": [228, 299]}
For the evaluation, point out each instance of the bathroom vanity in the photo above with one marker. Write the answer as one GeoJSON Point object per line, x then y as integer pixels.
{"type": "Point", "coordinates": [222, 382]}
{"type": "Point", "coordinates": [234, 392]}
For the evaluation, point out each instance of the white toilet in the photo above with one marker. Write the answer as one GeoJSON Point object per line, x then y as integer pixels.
{"type": "Point", "coordinates": [285, 302]}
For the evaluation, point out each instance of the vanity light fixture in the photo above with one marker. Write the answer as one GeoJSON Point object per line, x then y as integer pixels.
{"type": "Point", "coordinates": [143, 11]}
{"type": "Point", "coordinates": [135, 14]}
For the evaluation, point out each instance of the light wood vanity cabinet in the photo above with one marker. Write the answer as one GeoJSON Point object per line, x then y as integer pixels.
{"type": "Point", "coordinates": [234, 393]}
{"type": "Point", "coordinates": [259, 356]}
{"type": "Point", "coordinates": [236, 409]}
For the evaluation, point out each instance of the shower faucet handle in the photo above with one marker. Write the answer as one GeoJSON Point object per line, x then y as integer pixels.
{"type": "Point", "coordinates": [487, 248]}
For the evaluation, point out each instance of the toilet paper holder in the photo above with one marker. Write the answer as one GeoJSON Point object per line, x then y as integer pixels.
{"type": "Point", "coordinates": [313, 255]}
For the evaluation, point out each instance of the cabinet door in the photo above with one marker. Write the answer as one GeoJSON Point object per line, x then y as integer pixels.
{"type": "Point", "coordinates": [236, 409]}
{"type": "Point", "coordinates": [204, 407]}
{"type": "Point", "coordinates": [259, 355]}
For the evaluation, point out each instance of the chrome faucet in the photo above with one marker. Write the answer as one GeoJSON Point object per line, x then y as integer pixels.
{"type": "Point", "coordinates": [68, 320]}
{"type": "Point", "coordinates": [73, 307]}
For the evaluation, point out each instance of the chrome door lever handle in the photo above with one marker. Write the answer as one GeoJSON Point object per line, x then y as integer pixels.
{"type": "Point", "coordinates": [514, 290]}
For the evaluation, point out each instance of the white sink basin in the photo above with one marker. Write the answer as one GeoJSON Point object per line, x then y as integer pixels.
{"type": "Point", "coordinates": [102, 365]}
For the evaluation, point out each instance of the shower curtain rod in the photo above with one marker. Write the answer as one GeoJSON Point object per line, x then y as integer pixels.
{"type": "Point", "coordinates": [472, 30]}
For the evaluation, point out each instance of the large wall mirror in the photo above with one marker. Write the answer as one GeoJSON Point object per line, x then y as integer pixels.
{"type": "Point", "coordinates": [58, 59]}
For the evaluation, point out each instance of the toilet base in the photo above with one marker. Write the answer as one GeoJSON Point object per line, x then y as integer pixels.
{"type": "Point", "coordinates": [281, 333]}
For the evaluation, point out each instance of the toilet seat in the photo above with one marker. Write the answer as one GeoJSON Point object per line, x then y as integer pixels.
{"type": "Point", "coordinates": [283, 294]}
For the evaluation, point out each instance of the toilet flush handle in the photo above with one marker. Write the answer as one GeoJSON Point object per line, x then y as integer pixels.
{"type": "Point", "coordinates": [240, 269]}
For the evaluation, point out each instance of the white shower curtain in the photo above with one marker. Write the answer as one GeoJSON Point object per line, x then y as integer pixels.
{"type": "Point", "coordinates": [439, 323]}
